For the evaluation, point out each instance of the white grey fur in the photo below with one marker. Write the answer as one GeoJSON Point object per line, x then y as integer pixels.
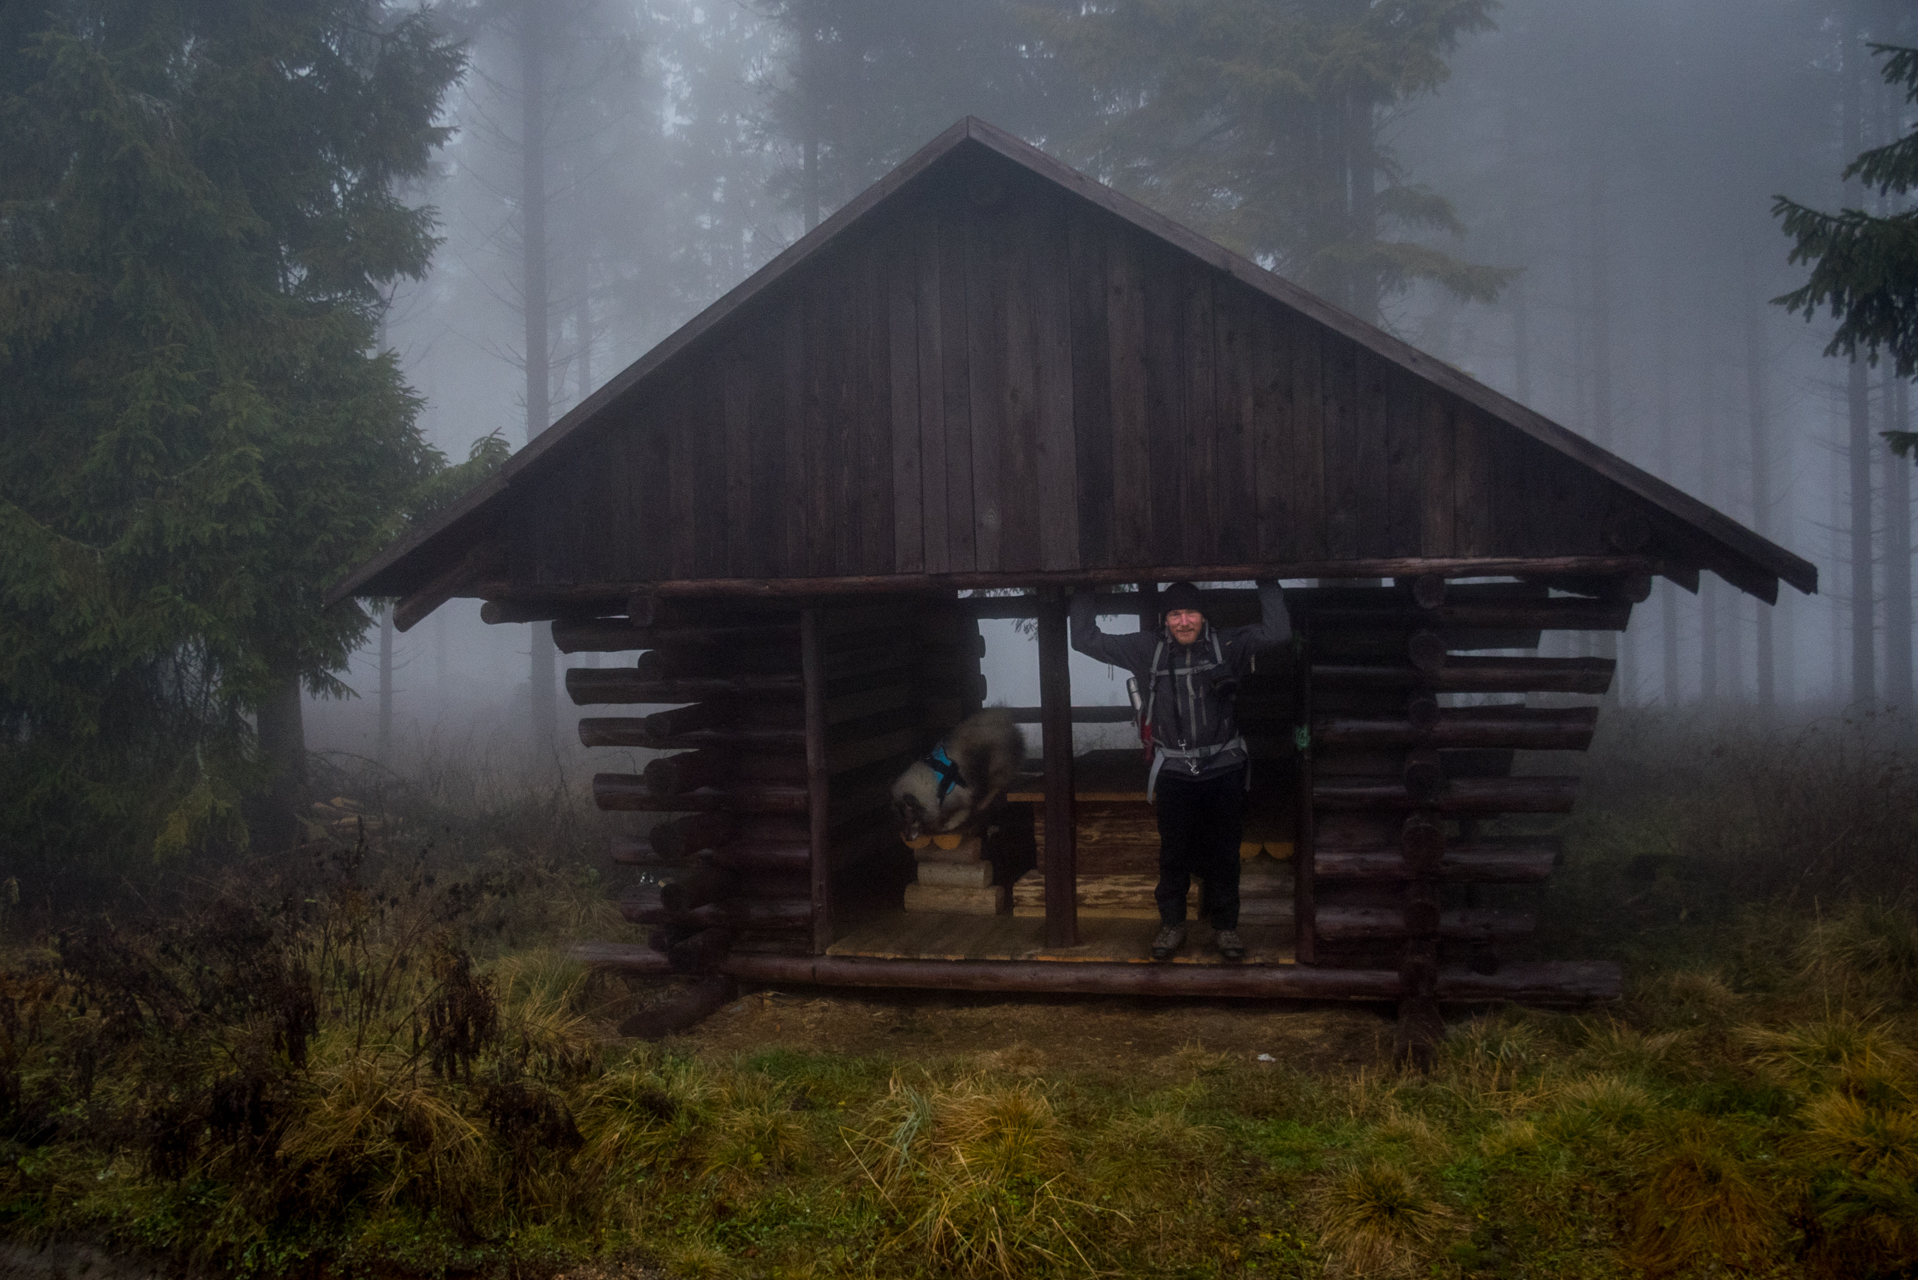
{"type": "Point", "coordinates": [989, 750]}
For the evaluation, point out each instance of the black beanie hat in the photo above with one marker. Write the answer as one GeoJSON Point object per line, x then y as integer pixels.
{"type": "Point", "coordinates": [1180, 595]}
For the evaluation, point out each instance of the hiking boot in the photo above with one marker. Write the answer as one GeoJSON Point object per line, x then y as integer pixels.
{"type": "Point", "coordinates": [1229, 945]}
{"type": "Point", "coordinates": [1168, 940]}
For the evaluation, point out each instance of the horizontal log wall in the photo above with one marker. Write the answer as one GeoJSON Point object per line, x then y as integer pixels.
{"type": "Point", "coordinates": [1404, 787]}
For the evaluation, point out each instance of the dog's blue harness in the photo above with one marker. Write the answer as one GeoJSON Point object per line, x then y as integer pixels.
{"type": "Point", "coordinates": [947, 769]}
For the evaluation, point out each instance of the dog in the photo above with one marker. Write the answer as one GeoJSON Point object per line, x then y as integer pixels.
{"type": "Point", "coordinates": [963, 777]}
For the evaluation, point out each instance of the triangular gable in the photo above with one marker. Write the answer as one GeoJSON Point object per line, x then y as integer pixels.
{"type": "Point", "coordinates": [989, 369]}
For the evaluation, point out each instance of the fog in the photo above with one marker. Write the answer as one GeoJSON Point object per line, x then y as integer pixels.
{"type": "Point", "coordinates": [1621, 157]}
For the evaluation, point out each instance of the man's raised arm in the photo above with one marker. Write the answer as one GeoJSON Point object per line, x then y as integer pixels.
{"type": "Point", "coordinates": [1119, 651]}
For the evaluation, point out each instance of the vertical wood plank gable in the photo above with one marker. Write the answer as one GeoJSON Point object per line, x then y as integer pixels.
{"type": "Point", "coordinates": [1472, 479]}
{"type": "Point", "coordinates": [795, 437]}
{"type": "Point", "coordinates": [1344, 484]}
{"type": "Point", "coordinates": [955, 354]}
{"type": "Point", "coordinates": [902, 353]}
{"type": "Point", "coordinates": [1309, 428]}
{"type": "Point", "coordinates": [1237, 459]}
{"type": "Point", "coordinates": [736, 375]}
{"type": "Point", "coordinates": [767, 523]}
{"type": "Point", "coordinates": [1406, 450]}
{"type": "Point", "coordinates": [824, 493]}
{"type": "Point", "coordinates": [1131, 421]}
{"type": "Point", "coordinates": [1091, 388]}
{"type": "Point", "coordinates": [709, 425]}
{"type": "Point", "coordinates": [1373, 476]}
{"type": "Point", "coordinates": [1165, 424]}
{"type": "Point", "coordinates": [873, 421]}
{"type": "Point", "coordinates": [683, 469]}
{"type": "Point", "coordinates": [986, 351]}
{"type": "Point", "coordinates": [1058, 458]}
{"type": "Point", "coordinates": [1199, 498]}
{"type": "Point", "coordinates": [923, 244]}
{"type": "Point", "coordinates": [1436, 501]}
{"type": "Point", "coordinates": [1015, 252]}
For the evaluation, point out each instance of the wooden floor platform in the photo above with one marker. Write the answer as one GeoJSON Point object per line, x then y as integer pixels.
{"type": "Point", "coordinates": [899, 935]}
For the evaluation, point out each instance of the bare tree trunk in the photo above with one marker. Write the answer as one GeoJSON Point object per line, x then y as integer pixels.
{"type": "Point", "coordinates": [1667, 591]}
{"type": "Point", "coordinates": [1708, 585]}
{"type": "Point", "coordinates": [1897, 549]}
{"type": "Point", "coordinates": [1604, 644]}
{"type": "Point", "coordinates": [1864, 681]}
{"type": "Point", "coordinates": [1761, 468]}
{"type": "Point", "coordinates": [1864, 676]}
{"type": "Point", "coordinates": [384, 751]}
{"type": "Point", "coordinates": [533, 259]}
{"type": "Point", "coordinates": [282, 737]}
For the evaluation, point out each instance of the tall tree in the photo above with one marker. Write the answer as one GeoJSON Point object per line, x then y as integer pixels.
{"type": "Point", "coordinates": [552, 80]}
{"type": "Point", "coordinates": [199, 213]}
{"type": "Point", "coordinates": [1264, 124]}
{"type": "Point", "coordinates": [862, 84]}
{"type": "Point", "coordinates": [1864, 269]}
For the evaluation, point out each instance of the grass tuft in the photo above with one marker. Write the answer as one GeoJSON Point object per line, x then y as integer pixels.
{"type": "Point", "coordinates": [1376, 1218]}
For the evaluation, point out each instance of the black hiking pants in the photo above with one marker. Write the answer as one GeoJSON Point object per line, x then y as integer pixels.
{"type": "Point", "coordinates": [1200, 826]}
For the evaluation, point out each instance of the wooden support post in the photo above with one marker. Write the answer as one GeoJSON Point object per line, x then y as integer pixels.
{"type": "Point", "coordinates": [1055, 709]}
{"type": "Point", "coordinates": [812, 675]}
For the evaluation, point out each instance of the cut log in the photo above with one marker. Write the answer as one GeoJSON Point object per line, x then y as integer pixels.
{"type": "Point", "coordinates": [1551, 982]}
{"type": "Point", "coordinates": [634, 731]}
{"type": "Point", "coordinates": [628, 793]}
{"type": "Point", "coordinates": [1179, 981]}
{"type": "Point", "coordinates": [593, 686]}
{"type": "Point", "coordinates": [645, 907]}
{"type": "Point", "coordinates": [755, 853]}
{"type": "Point", "coordinates": [1629, 589]}
{"type": "Point", "coordinates": [1461, 795]}
{"type": "Point", "coordinates": [1426, 649]}
{"type": "Point", "coordinates": [1422, 841]}
{"type": "Point", "coordinates": [1520, 862]}
{"type": "Point", "coordinates": [1477, 675]}
{"type": "Point", "coordinates": [695, 1005]}
{"type": "Point", "coordinates": [1471, 924]}
{"type": "Point", "coordinates": [1524, 728]}
{"type": "Point", "coordinates": [1422, 712]}
{"type": "Point", "coordinates": [1423, 773]}
{"type": "Point", "coordinates": [1476, 762]}
{"type": "Point", "coordinates": [1559, 613]}
{"type": "Point", "coordinates": [715, 660]}
{"type": "Point", "coordinates": [700, 952]}
{"type": "Point", "coordinates": [697, 888]}
{"type": "Point", "coordinates": [683, 837]}
{"type": "Point", "coordinates": [688, 772]}
{"type": "Point", "coordinates": [622, 956]}
{"type": "Point", "coordinates": [1428, 590]}
{"type": "Point", "coordinates": [616, 635]}
{"type": "Point", "coordinates": [497, 612]}
{"type": "Point", "coordinates": [479, 561]}
{"type": "Point", "coordinates": [692, 718]}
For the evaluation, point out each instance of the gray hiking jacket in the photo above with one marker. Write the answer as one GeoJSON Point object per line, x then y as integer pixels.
{"type": "Point", "coordinates": [1195, 733]}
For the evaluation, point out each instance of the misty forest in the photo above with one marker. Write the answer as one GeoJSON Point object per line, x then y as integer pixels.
{"type": "Point", "coordinates": [499, 500]}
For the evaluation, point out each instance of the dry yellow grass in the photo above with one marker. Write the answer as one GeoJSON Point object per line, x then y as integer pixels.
{"type": "Point", "coordinates": [1378, 1219]}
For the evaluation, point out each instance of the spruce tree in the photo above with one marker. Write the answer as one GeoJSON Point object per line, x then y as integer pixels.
{"type": "Point", "coordinates": [1260, 123]}
{"type": "Point", "coordinates": [1864, 266]}
{"type": "Point", "coordinates": [198, 216]}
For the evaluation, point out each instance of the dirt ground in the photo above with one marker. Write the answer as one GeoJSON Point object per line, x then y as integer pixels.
{"type": "Point", "coordinates": [1042, 1035]}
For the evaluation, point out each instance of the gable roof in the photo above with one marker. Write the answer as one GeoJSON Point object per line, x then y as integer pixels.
{"type": "Point", "coordinates": [1692, 535]}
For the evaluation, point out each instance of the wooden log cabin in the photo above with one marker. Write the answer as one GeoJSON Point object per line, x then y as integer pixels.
{"type": "Point", "coordinates": [989, 381]}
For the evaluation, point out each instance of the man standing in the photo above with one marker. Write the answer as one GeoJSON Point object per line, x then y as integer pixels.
{"type": "Point", "coordinates": [1188, 674]}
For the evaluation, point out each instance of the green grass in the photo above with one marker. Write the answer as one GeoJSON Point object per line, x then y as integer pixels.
{"type": "Point", "coordinates": [388, 1068]}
